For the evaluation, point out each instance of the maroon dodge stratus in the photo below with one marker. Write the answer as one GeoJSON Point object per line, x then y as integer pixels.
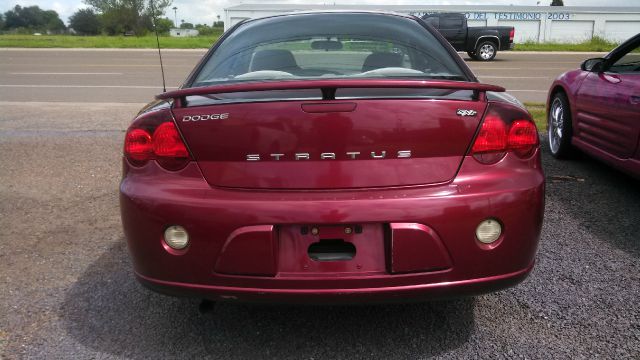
{"type": "Point", "coordinates": [332, 157]}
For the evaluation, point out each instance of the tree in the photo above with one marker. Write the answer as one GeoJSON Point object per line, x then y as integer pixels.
{"type": "Point", "coordinates": [186, 25]}
{"type": "Point", "coordinates": [121, 16]}
{"type": "Point", "coordinates": [557, 3]}
{"type": "Point", "coordinates": [164, 25]}
{"type": "Point", "coordinates": [53, 22]}
{"type": "Point", "coordinates": [16, 18]}
{"type": "Point", "coordinates": [85, 22]}
{"type": "Point", "coordinates": [218, 24]}
{"type": "Point", "coordinates": [204, 29]}
{"type": "Point", "coordinates": [32, 18]}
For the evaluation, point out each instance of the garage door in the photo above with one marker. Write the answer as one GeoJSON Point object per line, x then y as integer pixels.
{"type": "Point", "coordinates": [620, 31]}
{"type": "Point", "coordinates": [525, 30]}
{"type": "Point", "coordinates": [571, 31]}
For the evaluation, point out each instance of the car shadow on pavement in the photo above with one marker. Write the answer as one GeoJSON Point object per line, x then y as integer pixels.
{"type": "Point", "coordinates": [604, 200]}
{"type": "Point", "coordinates": [108, 311]}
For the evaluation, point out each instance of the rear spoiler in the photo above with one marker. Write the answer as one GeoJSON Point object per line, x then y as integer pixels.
{"type": "Point", "coordinates": [329, 87]}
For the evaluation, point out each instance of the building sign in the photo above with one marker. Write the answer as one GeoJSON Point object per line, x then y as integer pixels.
{"type": "Point", "coordinates": [476, 15]}
{"type": "Point", "coordinates": [518, 16]}
{"type": "Point", "coordinates": [522, 16]}
{"type": "Point", "coordinates": [559, 16]}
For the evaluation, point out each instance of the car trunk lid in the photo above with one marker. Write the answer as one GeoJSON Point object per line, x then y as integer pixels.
{"type": "Point", "coordinates": [330, 144]}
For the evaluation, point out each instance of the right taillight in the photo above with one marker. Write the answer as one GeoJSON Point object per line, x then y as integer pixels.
{"type": "Point", "coordinates": [155, 137]}
{"type": "Point", "coordinates": [505, 131]}
{"type": "Point", "coordinates": [492, 136]}
{"type": "Point", "coordinates": [512, 34]}
{"type": "Point", "coordinates": [522, 138]}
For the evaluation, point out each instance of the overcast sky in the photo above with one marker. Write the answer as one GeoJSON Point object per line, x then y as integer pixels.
{"type": "Point", "coordinates": [205, 11]}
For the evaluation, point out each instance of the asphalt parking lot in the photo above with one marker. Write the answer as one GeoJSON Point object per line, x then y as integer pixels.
{"type": "Point", "coordinates": [67, 289]}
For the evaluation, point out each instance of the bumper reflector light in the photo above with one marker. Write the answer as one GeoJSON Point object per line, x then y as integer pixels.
{"type": "Point", "coordinates": [488, 231]}
{"type": "Point", "coordinates": [176, 237]}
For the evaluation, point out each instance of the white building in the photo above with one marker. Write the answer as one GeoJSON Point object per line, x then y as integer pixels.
{"type": "Point", "coordinates": [183, 32]}
{"type": "Point", "coordinates": [533, 23]}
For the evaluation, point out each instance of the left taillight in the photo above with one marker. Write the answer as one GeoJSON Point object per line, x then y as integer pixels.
{"type": "Point", "coordinates": [137, 145]}
{"type": "Point", "coordinates": [155, 137]}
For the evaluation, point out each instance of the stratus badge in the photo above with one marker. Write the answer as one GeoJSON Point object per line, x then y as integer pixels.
{"type": "Point", "coordinates": [465, 112]}
{"type": "Point", "coordinates": [350, 155]}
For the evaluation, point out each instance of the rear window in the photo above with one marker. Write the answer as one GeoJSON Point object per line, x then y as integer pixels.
{"type": "Point", "coordinates": [451, 22]}
{"type": "Point", "coordinates": [329, 46]}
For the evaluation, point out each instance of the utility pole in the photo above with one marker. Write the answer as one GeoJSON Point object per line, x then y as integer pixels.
{"type": "Point", "coordinates": [175, 16]}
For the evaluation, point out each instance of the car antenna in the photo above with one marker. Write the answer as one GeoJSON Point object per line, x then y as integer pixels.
{"type": "Point", "coordinates": [155, 29]}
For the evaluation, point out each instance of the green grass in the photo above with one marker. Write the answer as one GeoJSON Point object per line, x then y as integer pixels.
{"type": "Point", "coordinates": [539, 113]}
{"type": "Point", "coordinates": [597, 44]}
{"type": "Point", "coordinates": [70, 41]}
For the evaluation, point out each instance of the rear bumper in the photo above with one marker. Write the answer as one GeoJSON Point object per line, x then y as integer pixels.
{"type": "Point", "coordinates": [415, 292]}
{"type": "Point", "coordinates": [511, 191]}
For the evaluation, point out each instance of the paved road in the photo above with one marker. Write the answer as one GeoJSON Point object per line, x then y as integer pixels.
{"type": "Point", "coordinates": [134, 75]}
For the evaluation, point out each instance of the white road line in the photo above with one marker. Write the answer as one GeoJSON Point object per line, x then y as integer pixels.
{"type": "Point", "coordinates": [492, 68]}
{"type": "Point", "coordinates": [576, 64]}
{"type": "Point", "coordinates": [100, 65]}
{"type": "Point", "coordinates": [529, 68]}
{"type": "Point", "coordinates": [133, 65]}
{"type": "Point", "coordinates": [67, 103]}
{"type": "Point", "coordinates": [88, 86]}
{"type": "Point", "coordinates": [203, 50]}
{"type": "Point", "coordinates": [513, 77]}
{"type": "Point", "coordinates": [61, 73]}
{"type": "Point", "coordinates": [152, 50]}
{"type": "Point", "coordinates": [536, 91]}
{"type": "Point", "coordinates": [70, 104]}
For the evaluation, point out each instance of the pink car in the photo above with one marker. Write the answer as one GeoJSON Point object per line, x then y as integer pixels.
{"type": "Point", "coordinates": [597, 109]}
{"type": "Point", "coordinates": [332, 157]}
